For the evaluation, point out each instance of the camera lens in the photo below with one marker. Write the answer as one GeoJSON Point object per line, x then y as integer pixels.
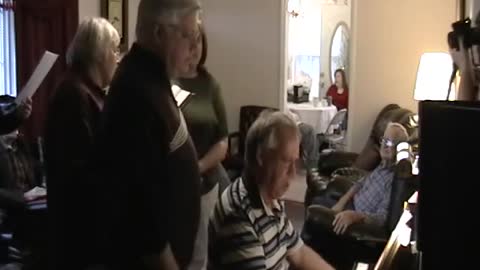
{"type": "Point", "coordinates": [452, 41]}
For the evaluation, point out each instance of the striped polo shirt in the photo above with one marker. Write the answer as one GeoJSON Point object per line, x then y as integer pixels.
{"type": "Point", "coordinates": [245, 234]}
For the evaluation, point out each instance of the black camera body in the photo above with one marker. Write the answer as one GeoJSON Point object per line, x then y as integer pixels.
{"type": "Point", "coordinates": [463, 28]}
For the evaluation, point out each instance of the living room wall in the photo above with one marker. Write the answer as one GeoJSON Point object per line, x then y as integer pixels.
{"type": "Point", "coordinates": [244, 48]}
{"type": "Point", "coordinates": [90, 8]}
{"type": "Point", "coordinates": [388, 39]}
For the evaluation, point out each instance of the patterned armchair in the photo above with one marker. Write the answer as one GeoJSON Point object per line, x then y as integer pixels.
{"type": "Point", "coordinates": [234, 161]}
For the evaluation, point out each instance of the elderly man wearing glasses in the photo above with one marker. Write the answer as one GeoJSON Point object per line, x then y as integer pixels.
{"type": "Point", "coordinates": [145, 161]}
{"type": "Point", "coordinates": [367, 201]}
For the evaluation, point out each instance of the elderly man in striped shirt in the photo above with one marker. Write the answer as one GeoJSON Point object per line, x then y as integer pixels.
{"type": "Point", "coordinates": [249, 228]}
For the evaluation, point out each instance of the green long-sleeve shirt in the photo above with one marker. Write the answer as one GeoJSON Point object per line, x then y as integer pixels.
{"type": "Point", "coordinates": [204, 112]}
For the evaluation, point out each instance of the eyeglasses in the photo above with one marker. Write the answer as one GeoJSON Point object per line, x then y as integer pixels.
{"type": "Point", "coordinates": [191, 36]}
{"type": "Point", "coordinates": [387, 142]}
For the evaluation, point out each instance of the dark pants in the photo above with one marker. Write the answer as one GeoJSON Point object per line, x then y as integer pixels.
{"type": "Point", "coordinates": [308, 145]}
{"type": "Point", "coordinates": [329, 245]}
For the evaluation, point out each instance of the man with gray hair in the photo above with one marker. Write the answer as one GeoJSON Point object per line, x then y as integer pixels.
{"type": "Point", "coordinates": [249, 228]}
{"type": "Point", "coordinates": [147, 165]}
{"type": "Point", "coordinates": [366, 202]}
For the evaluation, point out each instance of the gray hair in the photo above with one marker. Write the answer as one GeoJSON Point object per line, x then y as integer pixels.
{"type": "Point", "coordinates": [265, 134]}
{"type": "Point", "coordinates": [153, 12]}
{"type": "Point", "coordinates": [92, 42]}
{"type": "Point", "coordinates": [401, 127]}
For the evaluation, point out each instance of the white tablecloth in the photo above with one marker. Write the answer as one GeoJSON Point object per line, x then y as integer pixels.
{"type": "Point", "coordinates": [318, 117]}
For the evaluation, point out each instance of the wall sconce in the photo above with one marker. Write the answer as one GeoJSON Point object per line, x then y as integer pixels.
{"type": "Point", "coordinates": [294, 7]}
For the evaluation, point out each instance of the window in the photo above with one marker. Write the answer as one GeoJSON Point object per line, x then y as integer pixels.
{"type": "Point", "coordinates": [8, 74]}
{"type": "Point", "coordinates": [304, 37]}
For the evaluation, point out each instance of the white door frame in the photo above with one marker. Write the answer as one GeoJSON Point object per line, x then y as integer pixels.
{"type": "Point", "coordinates": [283, 67]}
{"type": "Point", "coordinates": [282, 99]}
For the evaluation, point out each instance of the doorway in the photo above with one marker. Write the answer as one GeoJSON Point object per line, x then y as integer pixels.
{"type": "Point", "coordinates": [318, 48]}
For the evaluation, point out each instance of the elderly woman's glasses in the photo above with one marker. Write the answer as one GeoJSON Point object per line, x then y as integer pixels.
{"type": "Point", "coordinates": [117, 53]}
{"type": "Point", "coordinates": [387, 142]}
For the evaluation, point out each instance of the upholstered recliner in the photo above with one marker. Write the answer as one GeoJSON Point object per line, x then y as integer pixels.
{"type": "Point", "coordinates": [369, 157]}
{"type": "Point", "coordinates": [363, 243]}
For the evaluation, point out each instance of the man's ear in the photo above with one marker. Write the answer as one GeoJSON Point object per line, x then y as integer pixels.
{"type": "Point", "coordinates": [259, 157]}
{"type": "Point", "coordinates": [158, 32]}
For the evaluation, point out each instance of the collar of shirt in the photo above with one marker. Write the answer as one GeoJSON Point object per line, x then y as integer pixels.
{"type": "Point", "coordinates": [153, 67]}
{"type": "Point", "coordinates": [96, 89]}
{"type": "Point", "coordinates": [271, 211]}
{"type": "Point", "coordinates": [257, 201]}
{"type": "Point", "coordinates": [152, 64]}
{"type": "Point", "coordinates": [384, 166]}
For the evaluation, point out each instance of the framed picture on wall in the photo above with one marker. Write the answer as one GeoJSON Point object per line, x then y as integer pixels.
{"type": "Point", "coordinates": [116, 12]}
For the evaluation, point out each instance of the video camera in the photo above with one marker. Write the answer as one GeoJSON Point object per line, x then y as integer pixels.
{"type": "Point", "coordinates": [471, 42]}
{"type": "Point", "coordinates": [463, 28]}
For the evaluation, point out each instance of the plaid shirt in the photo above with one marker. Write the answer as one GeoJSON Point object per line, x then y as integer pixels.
{"type": "Point", "coordinates": [373, 195]}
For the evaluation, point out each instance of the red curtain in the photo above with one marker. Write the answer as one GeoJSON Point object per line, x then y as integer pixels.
{"type": "Point", "coordinates": [42, 25]}
{"type": "Point", "coordinates": [8, 5]}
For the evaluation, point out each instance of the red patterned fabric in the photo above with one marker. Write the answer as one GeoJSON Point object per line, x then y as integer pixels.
{"type": "Point", "coordinates": [7, 4]}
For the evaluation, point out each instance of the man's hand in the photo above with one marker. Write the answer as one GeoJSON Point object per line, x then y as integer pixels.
{"type": "Point", "coordinates": [460, 57]}
{"type": "Point", "coordinates": [344, 219]}
{"type": "Point", "coordinates": [25, 108]}
{"type": "Point", "coordinates": [164, 260]}
{"type": "Point", "coordinates": [305, 258]}
{"type": "Point", "coordinates": [467, 89]}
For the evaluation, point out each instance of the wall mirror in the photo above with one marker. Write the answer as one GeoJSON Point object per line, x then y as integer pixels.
{"type": "Point", "coordinates": [339, 50]}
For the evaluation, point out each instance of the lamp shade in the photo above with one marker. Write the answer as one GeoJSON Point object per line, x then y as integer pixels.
{"type": "Point", "coordinates": [433, 77]}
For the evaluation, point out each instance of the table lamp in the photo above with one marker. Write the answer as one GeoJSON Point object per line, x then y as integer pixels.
{"type": "Point", "coordinates": [433, 77]}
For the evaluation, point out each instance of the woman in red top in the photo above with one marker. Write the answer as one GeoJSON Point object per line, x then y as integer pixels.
{"type": "Point", "coordinates": [339, 90]}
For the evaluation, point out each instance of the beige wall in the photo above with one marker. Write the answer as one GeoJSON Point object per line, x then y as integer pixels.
{"type": "Point", "coordinates": [472, 8]}
{"type": "Point", "coordinates": [244, 48]}
{"type": "Point", "coordinates": [244, 52]}
{"type": "Point", "coordinates": [91, 8]}
{"type": "Point", "coordinates": [388, 40]}
{"type": "Point", "coordinates": [88, 8]}
{"type": "Point", "coordinates": [332, 15]}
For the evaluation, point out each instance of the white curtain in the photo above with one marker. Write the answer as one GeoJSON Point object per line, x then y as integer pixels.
{"type": "Point", "coordinates": [8, 74]}
{"type": "Point", "coordinates": [304, 36]}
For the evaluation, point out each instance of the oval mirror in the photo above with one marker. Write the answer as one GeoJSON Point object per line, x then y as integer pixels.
{"type": "Point", "coordinates": [339, 50]}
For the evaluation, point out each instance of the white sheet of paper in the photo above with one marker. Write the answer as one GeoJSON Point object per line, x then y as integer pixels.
{"type": "Point", "coordinates": [180, 94]}
{"type": "Point", "coordinates": [42, 69]}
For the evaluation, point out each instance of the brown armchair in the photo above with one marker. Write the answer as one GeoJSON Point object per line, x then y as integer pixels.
{"type": "Point", "coordinates": [234, 161]}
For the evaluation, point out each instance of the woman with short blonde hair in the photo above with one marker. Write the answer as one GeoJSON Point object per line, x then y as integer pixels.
{"type": "Point", "coordinates": [94, 49]}
{"type": "Point", "coordinates": [72, 121]}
